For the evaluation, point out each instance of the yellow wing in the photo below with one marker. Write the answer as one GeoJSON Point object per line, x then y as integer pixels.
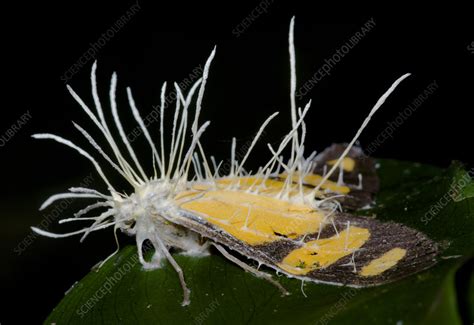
{"type": "Point", "coordinates": [302, 241]}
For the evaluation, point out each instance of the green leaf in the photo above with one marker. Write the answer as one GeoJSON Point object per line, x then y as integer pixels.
{"type": "Point", "coordinates": [121, 292]}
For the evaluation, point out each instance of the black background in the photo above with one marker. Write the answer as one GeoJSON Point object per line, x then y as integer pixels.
{"type": "Point", "coordinates": [249, 80]}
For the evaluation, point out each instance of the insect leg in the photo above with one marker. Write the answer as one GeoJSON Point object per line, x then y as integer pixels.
{"type": "Point", "coordinates": [250, 269]}
{"type": "Point", "coordinates": [178, 270]}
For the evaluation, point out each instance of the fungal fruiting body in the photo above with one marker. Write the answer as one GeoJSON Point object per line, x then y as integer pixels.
{"type": "Point", "coordinates": [289, 215]}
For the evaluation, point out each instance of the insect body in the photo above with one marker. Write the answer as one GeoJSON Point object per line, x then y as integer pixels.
{"type": "Point", "coordinates": [290, 216]}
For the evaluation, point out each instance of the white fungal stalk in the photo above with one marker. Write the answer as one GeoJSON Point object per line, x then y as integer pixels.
{"type": "Point", "coordinates": [147, 212]}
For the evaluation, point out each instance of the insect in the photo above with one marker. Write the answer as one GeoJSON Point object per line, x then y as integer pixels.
{"type": "Point", "coordinates": [291, 216]}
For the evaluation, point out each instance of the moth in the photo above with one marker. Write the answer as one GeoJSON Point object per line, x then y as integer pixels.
{"type": "Point", "coordinates": [293, 215]}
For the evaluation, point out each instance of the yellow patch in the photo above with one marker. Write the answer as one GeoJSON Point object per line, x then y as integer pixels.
{"type": "Point", "coordinates": [324, 252]}
{"type": "Point", "coordinates": [254, 219]}
{"type": "Point", "coordinates": [270, 186]}
{"type": "Point", "coordinates": [347, 163]}
{"type": "Point", "coordinates": [315, 179]}
{"type": "Point", "coordinates": [384, 262]}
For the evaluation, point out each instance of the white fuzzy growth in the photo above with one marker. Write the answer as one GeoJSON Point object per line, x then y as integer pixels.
{"type": "Point", "coordinates": [140, 122]}
{"type": "Point", "coordinates": [62, 196]}
{"type": "Point", "coordinates": [162, 127]}
{"type": "Point", "coordinates": [92, 207]}
{"type": "Point", "coordinates": [91, 140]}
{"type": "Point", "coordinates": [118, 124]}
{"type": "Point", "coordinates": [254, 141]}
{"type": "Point", "coordinates": [150, 211]}
{"type": "Point", "coordinates": [291, 50]}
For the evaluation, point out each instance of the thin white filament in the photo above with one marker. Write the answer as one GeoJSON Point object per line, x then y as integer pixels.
{"type": "Point", "coordinates": [140, 122]}
{"type": "Point", "coordinates": [364, 124]}
{"type": "Point", "coordinates": [118, 124]}
{"type": "Point", "coordinates": [162, 137]}
{"type": "Point", "coordinates": [254, 141]}
{"type": "Point", "coordinates": [91, 140]}
{"type": "Point", "coordinates": [108, 137]}
{"type": "Point", "coordinates": [78, 149]}
{"type": "Point", "coordinates": [61, 196]}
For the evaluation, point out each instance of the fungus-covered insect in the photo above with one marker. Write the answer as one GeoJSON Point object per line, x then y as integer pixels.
{"type": "Point", "coordinates": [291, 216]}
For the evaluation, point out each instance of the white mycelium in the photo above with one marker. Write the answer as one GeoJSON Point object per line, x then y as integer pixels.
{"type": "Point", "coordinates": [148, 212]}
